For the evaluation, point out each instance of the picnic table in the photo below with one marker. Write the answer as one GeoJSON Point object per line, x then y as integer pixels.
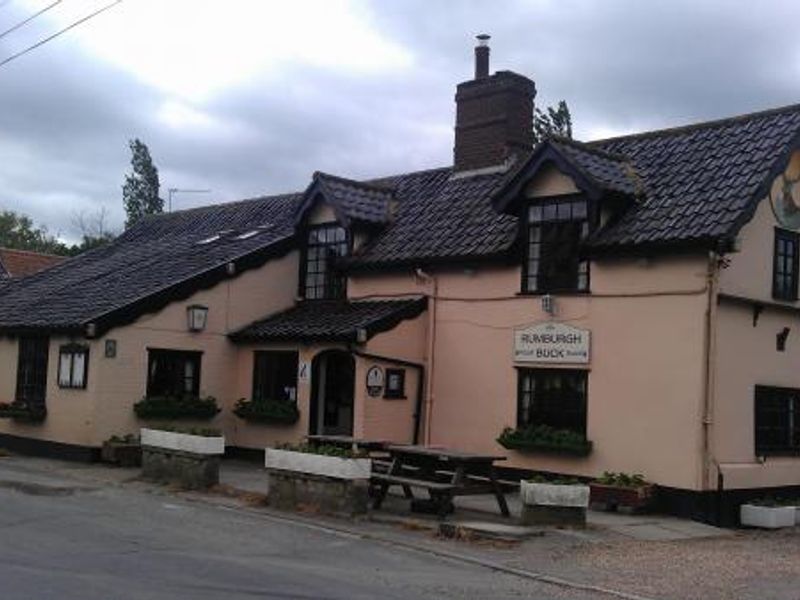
{"type": "Point", "coordinates": [443, 473]}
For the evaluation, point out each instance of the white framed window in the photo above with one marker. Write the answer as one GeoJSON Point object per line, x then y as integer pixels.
{"type": "Point", "coordinates": [73, 366]}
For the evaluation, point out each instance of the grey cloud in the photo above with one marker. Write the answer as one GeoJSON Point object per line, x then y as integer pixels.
{"type": "Point", "coordinates": [621, 64]}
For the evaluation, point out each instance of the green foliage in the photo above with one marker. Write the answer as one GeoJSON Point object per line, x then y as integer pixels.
{"type": "Point", "coordinates": [543, 438]}
{"type": "Point", "coordinates": [554, 121]}
{"type": "Point", "coordinates": [323, 449]}
{"type": "Point", "coordinates": [140, 190]}
{"type": "Point", "coordinates": [199, 431]}
{"type": "Point", "coordinates": [171, 407]}
{"type": "Point", "coordinates": [267, 411]}
{"type": "Point", "coordinates": [20, 233]}
{"type": "Point", "coordinates": [636, 480]}
{"type": "Point", "coordinates": [128, 438]}
{"type": "Point", "coordinates": [20, 411]}
{"type": "Point", "coordinates": [553, 479]}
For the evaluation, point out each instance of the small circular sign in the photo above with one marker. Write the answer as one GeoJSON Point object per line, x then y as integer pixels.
{"type": "Point", "coordinates": [375, 381]}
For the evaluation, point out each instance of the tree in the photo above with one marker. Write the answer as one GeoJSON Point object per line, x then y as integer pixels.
{"type": "Point", "coordinates": [555, 121]}
{"type": "Point", "coordinates": [140, 191]}
{"type": "Point", "coordinates": [19, 233]}
{"type": "Point", "coordinates": [94, 230]}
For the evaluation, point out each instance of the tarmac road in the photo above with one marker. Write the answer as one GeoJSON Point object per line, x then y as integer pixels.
{"type": "Point", "coordinates": [109, 543]}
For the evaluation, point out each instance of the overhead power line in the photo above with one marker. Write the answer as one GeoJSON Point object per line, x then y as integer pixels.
{"type": "Point", "coordinates": [58, 33]}
{"type": "Point", "coordinates": [29, 19]}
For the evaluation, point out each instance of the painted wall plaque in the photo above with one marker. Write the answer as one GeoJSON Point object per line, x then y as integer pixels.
{"type": "Point", "coordinates": [552, 343]}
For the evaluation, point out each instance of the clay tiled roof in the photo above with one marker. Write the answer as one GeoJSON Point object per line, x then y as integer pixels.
{"type": "Point", "coordinates": [332, 321]}
{"type": "Point", "coordinates": [21, 263]}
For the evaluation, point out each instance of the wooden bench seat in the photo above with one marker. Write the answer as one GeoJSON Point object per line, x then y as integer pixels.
{"type": "Point", "coordinates": [410, 482]}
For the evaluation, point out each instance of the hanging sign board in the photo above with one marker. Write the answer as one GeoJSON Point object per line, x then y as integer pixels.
{"type": "Point", "coordinates": [552, 343]}
{"type": "Point", "coordinates": [375, 381]}
{"type": "Point", "coordinates": [302, 371]}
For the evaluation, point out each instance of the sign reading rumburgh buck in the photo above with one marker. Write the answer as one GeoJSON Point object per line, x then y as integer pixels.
{"type": "Point", "coordinates": [551, 343]}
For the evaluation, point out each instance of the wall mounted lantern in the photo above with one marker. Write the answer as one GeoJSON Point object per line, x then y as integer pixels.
{"type": "Point", "coordinates": [197, 316]}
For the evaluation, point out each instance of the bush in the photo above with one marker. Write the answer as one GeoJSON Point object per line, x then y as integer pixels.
{"type": "Point", "coordinates": [543, 438]}
{"type": "Point", "coordinates": [623, 480]}
{"type": "Point", "coordinates": [267, 411]}
{"type": "Point", "coordinates": [323, 449]}
{"type": "Point", "coordinates": [171, 407]}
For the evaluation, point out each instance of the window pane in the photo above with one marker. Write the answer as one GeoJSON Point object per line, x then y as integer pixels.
{"type": "Point", "coordinates": [65, 369]}
{"type": "Point", "coordinates": [549, 212]}
{"type": "Point", "coordinates": [535, 213]}
{"type": "Point", "coordinates": [553, 397]}
{"type": "Point", "coordinates": [79, 369]}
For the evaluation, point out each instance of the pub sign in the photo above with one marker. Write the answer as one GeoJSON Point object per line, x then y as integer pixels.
{"type": "Point", "coordinates": [552, 343]}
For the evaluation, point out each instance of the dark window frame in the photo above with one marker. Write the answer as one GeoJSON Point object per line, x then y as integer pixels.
{"type": "Point", "coordinates": [258, 392]}
{"type": "Point", "coordinates": [334, 284]}
{"type": "Point", "coordinates": [400, 392]}
{"type": "Point", "coordinates": [195, 356]}
{"type": "Point", "coordinates": [788, 417]}
{"type": "Point", "coordinates": [552, 216]}
{"type": "Point", "coordinates": [785, 265]}
{"type": "Point", "coordinates": [73, 350]}
{"type": "Point", "coordinates": [33, 357]}
{"type": "Point", "coordinates": [526, 416]}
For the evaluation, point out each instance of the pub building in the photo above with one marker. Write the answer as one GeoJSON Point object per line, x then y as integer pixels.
{"type": "Point", "coordinates": [639, 293]}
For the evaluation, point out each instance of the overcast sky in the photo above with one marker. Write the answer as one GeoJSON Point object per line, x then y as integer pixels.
{"type": "Point", "coordinates": [248, 97]}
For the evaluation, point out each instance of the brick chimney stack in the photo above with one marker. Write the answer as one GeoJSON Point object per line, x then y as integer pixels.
{"type": "Point", "coordinates": [494, 116]}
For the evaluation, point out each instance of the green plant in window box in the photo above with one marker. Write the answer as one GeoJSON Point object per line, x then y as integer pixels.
{"type": "Point", "coordinates": [22, 411]}
{"type": "Point", "coordinates": [543, 438]}
{"type": "Point", "coordinates": [281, 412]}
{"type": "Point", "coordinates": [173, 407]}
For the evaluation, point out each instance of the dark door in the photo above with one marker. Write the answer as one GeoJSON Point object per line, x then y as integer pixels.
{"type": "Point", "coordinates": [333, 390]}
{"type": "Point", "coordinates": [32, 370]}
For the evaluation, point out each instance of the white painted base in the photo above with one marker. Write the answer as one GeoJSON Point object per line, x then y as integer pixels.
{"type": "Point", "coordinates": [768, 517]}
{"type": "Point", "coordinates": [183, 442]}
{"type": "Point", "coordinates": [317, 464]}
{"type": "Point", "coordinates": [549, 494]}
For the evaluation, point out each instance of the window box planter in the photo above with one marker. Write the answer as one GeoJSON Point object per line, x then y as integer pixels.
{"type": "Point", "coordinates": [624, 493]}
{"type": "Point", "coordinates": [170, 408]}
{"type": "Point", "coordinates": [558, 504]}
{"type": "Point", "coordinates": [22, 412]}
{"type": "Point", "coordinates": [545, 439]}
{"type": "Point", "coordinates": [123, 452]}
{"type": "Point", "coordinates": [300, 480]}
{"type": "Point", "coordinates": [271, 412]}
{"type": "Point", "coordinates": [768, 517]}
{"type": "Point", "coordinates": [190, 459]}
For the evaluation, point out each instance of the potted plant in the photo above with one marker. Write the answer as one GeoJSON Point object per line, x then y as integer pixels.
{"type": "Point", "coordinates": [23, 411]}
{"type": "Point", "coordinates": [543, 438]}
{"type": "Point", "coordinates": [123, 451]}
{"type": "Point", "coordinates": [274, 412]}
{"type": "Point", "coordinates": [769, 513]}
{"type": "Point", "coordinates": [320, 478]}
{"type": "Point", "coordinates": [174, 407]}
{"type": "Point", "coordinates": [189, 457]}
{"type": "Point", "coordinates": [555, 501]}
{"type": "Point", "coordinates": [622, 492]}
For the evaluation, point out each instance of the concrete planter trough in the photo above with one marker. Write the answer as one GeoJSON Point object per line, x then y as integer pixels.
{"type": "Point", "coordinates": [317, 483]}
{"type": "Point", "coordinates": [192, 461]}
{"type": "Point", "coordinates": [554, 504]}
{"type": "Point", "coordinates": [768, 517]}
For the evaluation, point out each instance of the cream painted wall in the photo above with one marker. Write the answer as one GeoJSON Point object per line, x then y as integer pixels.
{"type": "Point", "coordinates": [746, 356]}
{"type": "Point", "coordinates": [550, 182]}
{"type": "Point", "coordinates": [646, 371]}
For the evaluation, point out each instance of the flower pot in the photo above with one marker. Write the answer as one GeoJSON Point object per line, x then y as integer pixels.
{"type": "Point", "coordinates": [122, 454]}
{"type": "Point", "coordinates": [191, 461]}
{"type": "Point", "coordinates": [767, 517]}
{"type": "Point", "coordinates": [554, 504]}
{"type": "Point", "coordinates": [624, 499]}
{"type": "Point", "coordinates": [317, 483]}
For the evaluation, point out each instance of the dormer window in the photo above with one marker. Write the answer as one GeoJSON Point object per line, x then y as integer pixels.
{"type": "Point", "coordinates": [554, 230]}
{"type": "Point", "coordinates": [325, 243]}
